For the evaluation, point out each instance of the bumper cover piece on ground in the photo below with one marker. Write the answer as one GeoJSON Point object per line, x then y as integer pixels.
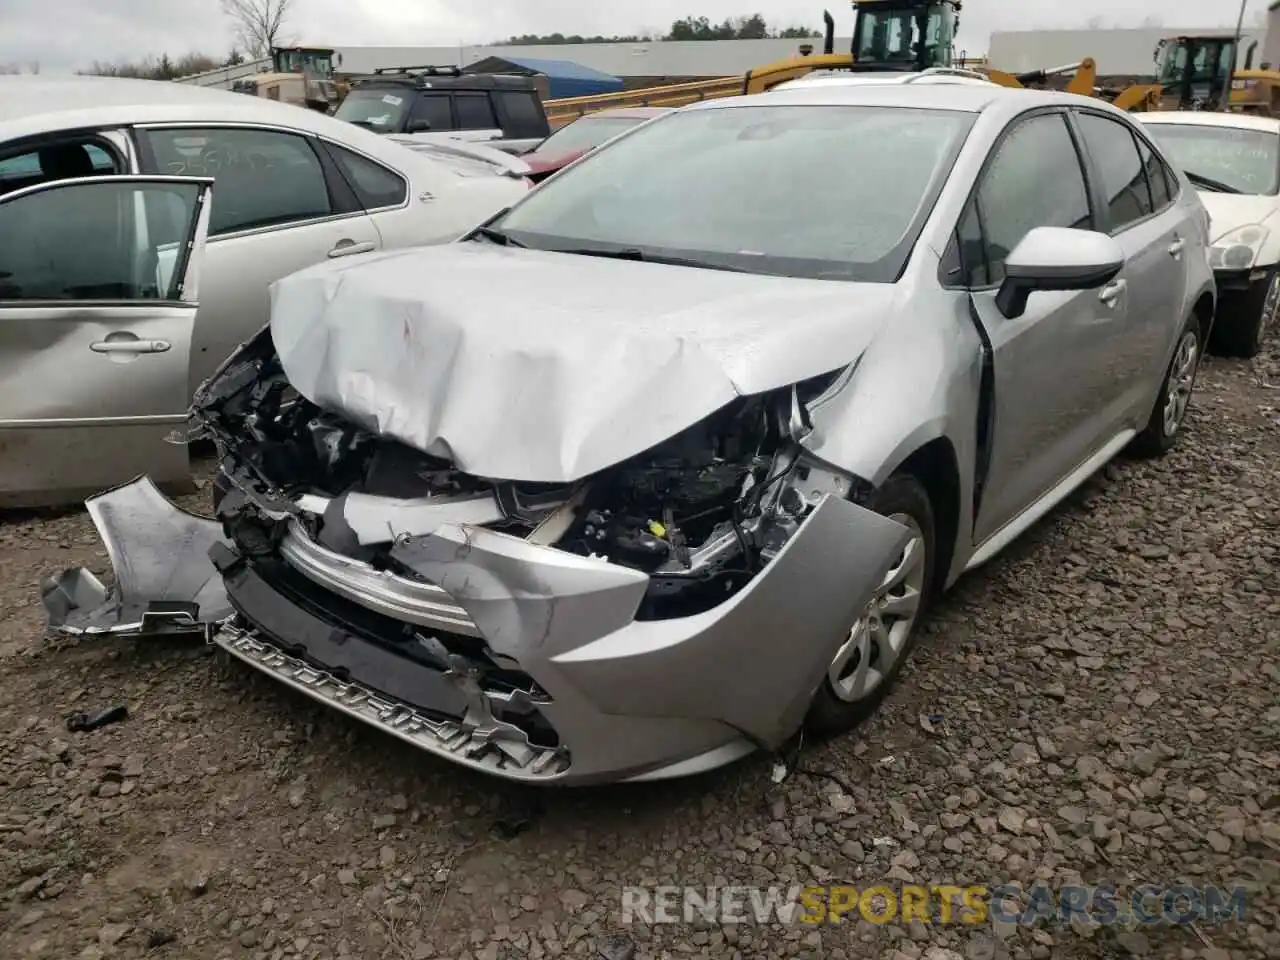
{"type": "Point", "coordinates": [164, 582]}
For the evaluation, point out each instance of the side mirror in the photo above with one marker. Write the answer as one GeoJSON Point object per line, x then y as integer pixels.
{"type": "Point", "coordinates": [417, 126]}
{"type": "Point", "coordinates": [1056, 258]}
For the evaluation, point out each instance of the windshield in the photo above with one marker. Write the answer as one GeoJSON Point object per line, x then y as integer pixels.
{"type": "Point", "coordinates": [1247, 160]}
{"type": "Point", "coordinates": [587, 133]}
{"type": "Point", "coordinates": [891, 36]}
{"type": "Point", "coordinates": [380, 109]}
{"type": "Point", "coordinates": [826, 192]}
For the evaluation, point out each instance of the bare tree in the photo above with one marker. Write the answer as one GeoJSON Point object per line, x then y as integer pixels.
{"type": "Point", "coordinates": [259, 24]}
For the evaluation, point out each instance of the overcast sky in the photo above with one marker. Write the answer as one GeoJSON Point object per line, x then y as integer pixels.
{"type": "Point", "coordinates": [63, 35]}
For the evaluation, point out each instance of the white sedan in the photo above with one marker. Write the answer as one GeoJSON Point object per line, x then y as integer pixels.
{"type": "Point", "coordinates": [1234, 161]}
{"type": "Point", "coordinates": [292, 187]}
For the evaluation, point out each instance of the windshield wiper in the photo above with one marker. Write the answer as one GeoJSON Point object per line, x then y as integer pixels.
{"type": "Point", "coordinates": [497, 236]}
{"type": "Point", "coordinates": [633, 253]}
{"type": "Point", "coordinates": [1217, 186]}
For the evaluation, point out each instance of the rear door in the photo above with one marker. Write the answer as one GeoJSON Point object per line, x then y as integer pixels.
{"type": "Point", "coordinates": [98, 291]}
{"type": "Point", "coordinates": [282, 206]}
{"type": "Point", "coordinates": [1135, 206]}
{"type": "Point", "coordinates": [1051, 392]}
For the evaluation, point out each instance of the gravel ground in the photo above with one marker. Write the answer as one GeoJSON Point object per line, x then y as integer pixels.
{"type": "Point", "coordinates": [1099, 704]}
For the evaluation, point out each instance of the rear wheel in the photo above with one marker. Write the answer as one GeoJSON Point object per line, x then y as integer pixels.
{"type": "Point", "coordinates": [1170, 411]}
{"type": "Point", "coordinates": [1244, 318]}
{"type": "Point", "coordinates": [879, 641]}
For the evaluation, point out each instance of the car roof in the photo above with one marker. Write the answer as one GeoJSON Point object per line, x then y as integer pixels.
{"type": "Point", "coordinates": [428, 82]}
{"type": "Point", "coordinates": [1203, 118]}
{"type": "Point", "coordinates": [966, 97]}
{"type": "Point", "coordinates": [30, 105]}
{"type": "Point", "coordinates": [629, 113]}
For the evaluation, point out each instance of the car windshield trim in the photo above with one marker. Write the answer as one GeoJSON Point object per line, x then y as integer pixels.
{"type": "Point", "coordinates": [887, 255]}
{"type": "Point", "coordinates": [1217, 186]}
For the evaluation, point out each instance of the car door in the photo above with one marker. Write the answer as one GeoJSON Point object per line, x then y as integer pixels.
{"type": "Point", "coordinates": [383, 193]}
{"type": "Point", "coordinates": [1050, 403]}
{"type": "Point", "coordinates": [1134, 202]}
{"type": "Point", "coordinates": [282, 206]}
{"type": "Point", "coordinates": [97, 305]}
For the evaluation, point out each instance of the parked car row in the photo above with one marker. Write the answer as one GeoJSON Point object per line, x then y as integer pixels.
{"type": "Point", "coordinates": [669, 456]}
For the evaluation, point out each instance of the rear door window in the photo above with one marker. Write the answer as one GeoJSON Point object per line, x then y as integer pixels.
{"type": "Point", "coordinates": [475, 112]}
{"type": "Point", "coordinates": [262, 178]}
{"type": "Point", "coordinates": [1114, 151]}
{"type": "Point", "coordinates": [524, 114]}
{"type": "Point", "coordinates": [375, 186]}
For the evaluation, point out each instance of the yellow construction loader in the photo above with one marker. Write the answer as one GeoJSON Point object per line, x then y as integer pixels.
{"type": "Point", "coordinates": [302, 76]}
{"type": "Point", "coordinates": [1203, 72]}
{"type": "Point", "coordinates": [889, 36]}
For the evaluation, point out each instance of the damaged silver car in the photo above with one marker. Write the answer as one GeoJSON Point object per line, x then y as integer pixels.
{"type": "Point", "coordinates": [668, 460]}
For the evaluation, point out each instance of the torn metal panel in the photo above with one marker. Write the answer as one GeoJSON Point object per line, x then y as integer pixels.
{"type": "Point", "coordinates": [164, 580]}
{"type": "Point", "coordinates": [596, 366]}
{"type": "Point", "coordinates": [522, 596]}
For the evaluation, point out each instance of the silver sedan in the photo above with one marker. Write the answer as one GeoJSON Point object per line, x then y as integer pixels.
{"type": "Point", "coordinates": [670, 459]}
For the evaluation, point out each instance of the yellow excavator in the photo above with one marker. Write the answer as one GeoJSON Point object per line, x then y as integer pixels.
{"type": "Point", "coordinates": [901, 36]}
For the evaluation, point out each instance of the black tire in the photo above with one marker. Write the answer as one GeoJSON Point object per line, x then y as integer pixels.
{"type": "Point", "coordinates": [1157, 439]}
{"type": "Point", "coordinates": [829, 714]}
{"type": "Point", "coordinates": [1243, 320]}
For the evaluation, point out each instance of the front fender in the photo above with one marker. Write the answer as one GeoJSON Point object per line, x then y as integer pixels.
{"type": "Point", "coordinates": [913, 385]}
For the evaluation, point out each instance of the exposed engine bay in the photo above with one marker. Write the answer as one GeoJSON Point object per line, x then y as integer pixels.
{"type": "Point", "coordinates": [700, 514]}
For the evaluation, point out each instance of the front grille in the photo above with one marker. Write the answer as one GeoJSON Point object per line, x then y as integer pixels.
{"type": "Point", "coordinates": [496, 750]}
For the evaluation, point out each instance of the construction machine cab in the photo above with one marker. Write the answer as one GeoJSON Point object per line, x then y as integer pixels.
{"type": "Point", "coordinates": [903, 35]}
{"type": "Point", "coordinates": [1195, 71]}
{"type": "Point", "coordinates": [316, 61]}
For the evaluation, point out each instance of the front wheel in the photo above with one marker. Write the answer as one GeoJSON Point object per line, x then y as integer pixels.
{"type": "Point", "coordinates": [876, 647]}
{"type": "Point", "coordinates": [1165, 424]}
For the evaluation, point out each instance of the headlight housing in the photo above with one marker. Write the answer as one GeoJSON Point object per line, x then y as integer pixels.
{"type": "Point", "coordinates": [1238, 249]}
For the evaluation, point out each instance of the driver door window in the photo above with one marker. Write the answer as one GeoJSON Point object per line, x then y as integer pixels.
{"type": "Point", "coordinates": [1034, 179]}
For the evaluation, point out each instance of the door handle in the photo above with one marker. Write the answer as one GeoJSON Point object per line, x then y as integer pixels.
{"type": "Point", "coordinates": [1175, 248]}
{"type": "Point", "coordinates": [345, 248]}
{"type": "Point", "coordinates": [1111, 292]}
{"type": "Point", "coordinates": [130, 346]}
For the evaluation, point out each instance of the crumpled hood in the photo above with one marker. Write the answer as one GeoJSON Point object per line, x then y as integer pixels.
{"type": "Point", "coordinates": [526, 365]}
{"type": "Point", "coordinates": [1229, 211]}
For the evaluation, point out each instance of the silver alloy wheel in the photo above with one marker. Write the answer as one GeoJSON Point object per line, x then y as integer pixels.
{"type": "Point", "coordinates": [877, 639]}
{"type": "Point", "coordinates": [1269, 307]}
{"type": "Point", "coordinates": [1182, 375]}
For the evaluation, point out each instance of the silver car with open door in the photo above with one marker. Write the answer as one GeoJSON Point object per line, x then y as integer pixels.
{"type": "Point", "coordinates": [98, 300]}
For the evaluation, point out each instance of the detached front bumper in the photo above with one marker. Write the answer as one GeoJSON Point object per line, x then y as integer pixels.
{"type": "Point", "coordinates": [509, 657]}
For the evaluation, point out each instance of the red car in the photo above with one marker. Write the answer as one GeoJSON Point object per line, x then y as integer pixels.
{"type": "Point", "coordinates": [582, 136]}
